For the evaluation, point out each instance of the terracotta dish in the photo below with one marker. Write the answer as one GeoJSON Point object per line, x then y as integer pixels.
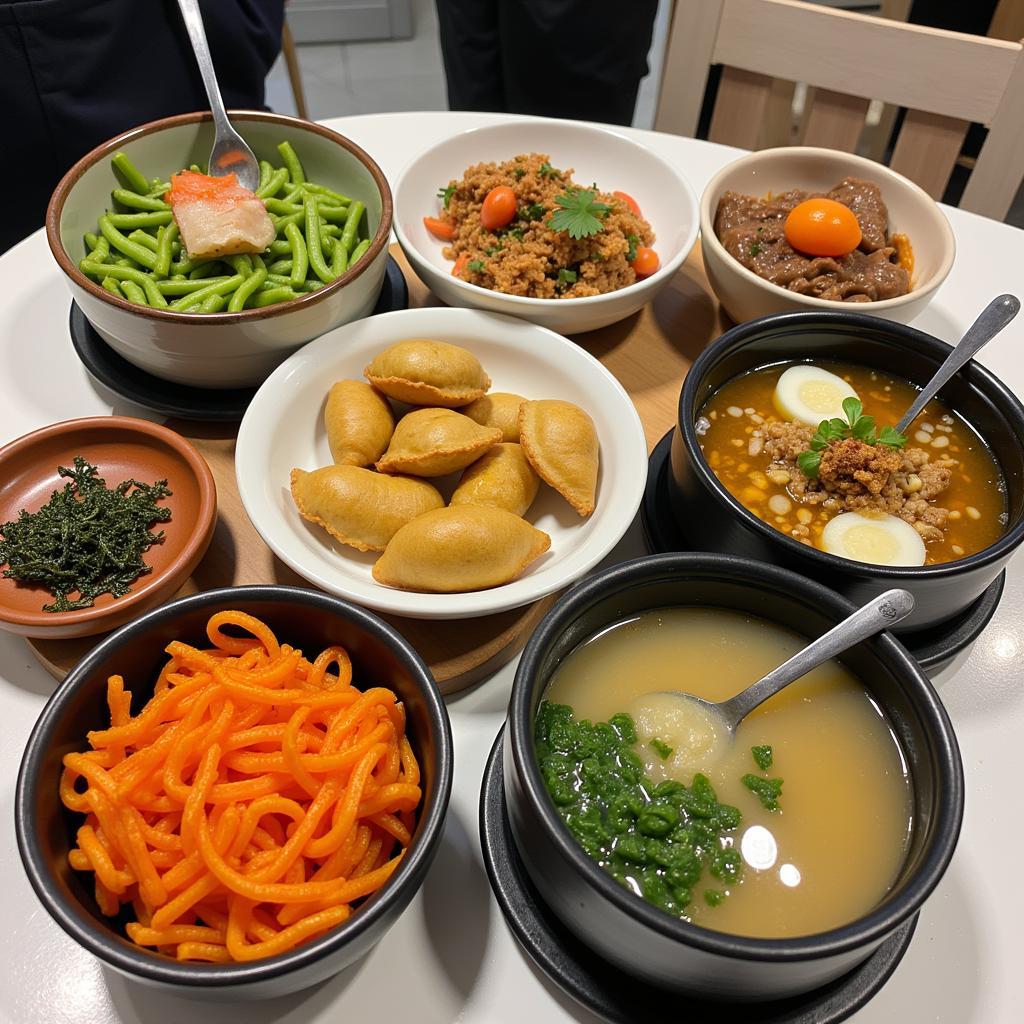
{"type": "Point", "coordinates": [122, 448]}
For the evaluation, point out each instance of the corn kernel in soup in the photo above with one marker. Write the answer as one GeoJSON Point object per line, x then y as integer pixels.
{"type": "Point", "coordinates": [835, 774]}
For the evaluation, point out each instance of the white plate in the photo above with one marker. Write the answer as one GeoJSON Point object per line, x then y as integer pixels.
{"type": "Point", "coordinates": [283, 429]}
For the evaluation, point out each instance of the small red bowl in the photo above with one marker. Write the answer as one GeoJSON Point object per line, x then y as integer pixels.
{"type": "Point", "coordinates": [121, 448]}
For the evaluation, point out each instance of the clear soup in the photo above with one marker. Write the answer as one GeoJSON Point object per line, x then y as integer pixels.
{"type": "Point", "coordinates": [837, 839]}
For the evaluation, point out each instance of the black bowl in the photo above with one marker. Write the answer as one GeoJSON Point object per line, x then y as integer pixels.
{"type": "Point", "coordinates": [637, 937]}
{"type": "Point", "coordinates": [713, 520]}
{"type": "Point", "coordinates": [303, 618]}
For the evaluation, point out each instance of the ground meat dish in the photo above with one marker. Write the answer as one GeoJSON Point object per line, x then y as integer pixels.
{"type": "Point", "coordinates": [751, 229]}
{"type": "Point", "coordinates": [854, 476]}
{"type": "Point", "coordinates": [526, 257]}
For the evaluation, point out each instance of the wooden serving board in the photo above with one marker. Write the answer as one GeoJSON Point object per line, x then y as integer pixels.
{"type": "Point", "coordinates": [649, 353]}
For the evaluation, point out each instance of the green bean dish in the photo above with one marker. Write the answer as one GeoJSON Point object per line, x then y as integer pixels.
{"type": "Point", "coordinates": [138, 252]}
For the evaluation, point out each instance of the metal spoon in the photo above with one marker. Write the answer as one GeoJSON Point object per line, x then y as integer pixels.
{"type": "Point", "coordinates": [230, 154]}
{"type": "Point", "coordinates": [878, 614]}
{"type": "Point", "coordinates": [994, 317]}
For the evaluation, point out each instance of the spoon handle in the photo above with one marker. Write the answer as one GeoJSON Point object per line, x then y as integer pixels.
{"type": "Point", "coordinates": [877, 615]}
{"type": "Point", "coordinates": [197, 35]}
{"type": "Point", "coordinates": [994, 317]}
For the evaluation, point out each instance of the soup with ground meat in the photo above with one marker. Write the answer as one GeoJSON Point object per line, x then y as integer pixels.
{"type": "Point", "coordinates": [810, 450]}
{"type": "Point", "coordinates": [834, 246]}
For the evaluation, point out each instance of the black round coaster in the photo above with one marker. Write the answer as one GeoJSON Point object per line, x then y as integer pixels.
{"type": "Point", "coordinates": [934, 647]}
{"type": "Point", "coordinates": [618, 997]}
{"type": "Point", "coordinates": [179, 400]}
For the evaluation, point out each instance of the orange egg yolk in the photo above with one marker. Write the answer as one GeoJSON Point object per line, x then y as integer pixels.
{"type": "Point", "coordinates": [822, 227]}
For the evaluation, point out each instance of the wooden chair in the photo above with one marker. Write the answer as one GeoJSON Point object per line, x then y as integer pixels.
{"type": "Point", "coordinates": [291, 59]}
{"type": "Point", "coordinates": [946, 80]}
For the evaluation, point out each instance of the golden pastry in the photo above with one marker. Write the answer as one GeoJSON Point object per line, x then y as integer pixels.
{"type": "Point", "coordinates": [432, 442]}
{"type": "Point", "coordinates": [424, 372]}
{"type": "Point", "coordinates": [359, 423]}
{"type": "Point", "coordinates": [501, 478]}
{"type": "Point", "coordinates": [497, 409]}
{"type": "Point", "coordinates": [359, 507]}
{"type": "Point", "coordinates": [465, 547]}
{"type": "Point", "coordinates": [560, 441]}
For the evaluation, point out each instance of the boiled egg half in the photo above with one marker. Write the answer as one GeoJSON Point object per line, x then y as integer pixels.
{"type": "Point", "coordinates": [809, 394]}
{"type": "Point", "coordinates": [879, 539]}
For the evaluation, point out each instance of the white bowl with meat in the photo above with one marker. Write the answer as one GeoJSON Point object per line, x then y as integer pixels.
{"type": "Point", "coordinates": [230, 348]}
{"type": "Point", "coordinates": [754, 210]}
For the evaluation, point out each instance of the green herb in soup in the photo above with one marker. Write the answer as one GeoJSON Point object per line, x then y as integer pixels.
{"type": "Point", "coordinates": [767, 791]}
{"type": "Point", "coordinates": [762, 757]}
{"type": "Point", "coordinates": [655, 839]}
{"type": "Point", "coordinates": [87, 539]}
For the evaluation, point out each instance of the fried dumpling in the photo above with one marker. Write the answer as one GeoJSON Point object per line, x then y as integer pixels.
{"type": "Point", "coordinates": [432, 442]}
{"type": "Point", "coordinates": [463, 547]}
{"type": "Point", "coordinates": [424, 372]}
{"type": "Point", "coordinates": [498, 409]}
{"type": "Point", "coordinates": [501, 478]}
{"type": "Point", "coordinates": [359, 507]}
{"type": "Point", "coordinates": [359, 423]}
{"type": "Point", "coordinates": [560, 441]}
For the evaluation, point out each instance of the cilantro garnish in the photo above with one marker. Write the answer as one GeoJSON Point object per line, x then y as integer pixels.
{"type": "Point", "coordinates": [579, 214]}
{"type": "Point", "coordinates": [445, 194]}
{"type": "Point", "coordinates": [547, 171]}
{"type": "Point", "coordinates": [661, 748]}
{"type": "Point", "coordinates": [856, 426]}
{"type": "Point", "coordinates": [763, 756]}
{"type": "Point", "coordinates": [632, 241]}
{"type": "Point", "coordinates": [754, 249]}
{"type": "Point", "coordinates": [566, 276]}
{"type": "Point", "coordinates": [476, 265]}
{"type": "Point", "coordinates": [518, 172]}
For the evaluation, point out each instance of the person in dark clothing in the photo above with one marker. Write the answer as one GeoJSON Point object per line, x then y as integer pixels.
{"type": "Point", "coordinates": [76, 72]}
{"type": "Point", "coordinates": [557, 58]}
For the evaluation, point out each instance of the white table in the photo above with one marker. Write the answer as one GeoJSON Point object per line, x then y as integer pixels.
{"type": "Point", "coordinates": [459, 959]}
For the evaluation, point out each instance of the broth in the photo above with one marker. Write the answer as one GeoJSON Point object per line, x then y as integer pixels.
{"type": "Point", "coordinates": [734, 421]}
{"type": "Point", "coordinates": [837, 841]}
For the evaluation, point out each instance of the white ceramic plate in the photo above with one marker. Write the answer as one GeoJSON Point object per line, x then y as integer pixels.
{"type": "Point", "coordinates": [283, 429]}
{"type": "Point", "coordinates": [596, 154]}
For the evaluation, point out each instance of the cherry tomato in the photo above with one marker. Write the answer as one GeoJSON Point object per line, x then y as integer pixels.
{"type": "Point", "coordinates": [439, 228]}
{"type": "Point", "coordinates": [460, 265]}
{"type": "Point", "coordinates": [822, 227]}
{"type": "Point", "coordinates": [630, 202]}
{"type": "Point", "coordinates": [646, 262]}
{"type": "Point", "coordinates": [499, 208]}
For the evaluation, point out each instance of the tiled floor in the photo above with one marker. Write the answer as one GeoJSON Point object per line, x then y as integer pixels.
{"type": "Point", "coordinates": [407, 74]}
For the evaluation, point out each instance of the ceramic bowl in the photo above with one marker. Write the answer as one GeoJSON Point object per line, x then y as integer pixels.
{"type": "Point", "coordinates": [912, 212]}
{"type": "Point", "coordinates": [219, 350]}
{"type": "Point", "coordinates": [596, 154]}
{"type": "Point", "coordinates": [663, 950]}
{"type": "Point", "coordinates": [283, 428]}
{"type": "Point", "coordinates": [121, 448]}
{"type": "Point", "coordinates": [306, 619]}
{"type": "Point", "coordinates": [713, 520]}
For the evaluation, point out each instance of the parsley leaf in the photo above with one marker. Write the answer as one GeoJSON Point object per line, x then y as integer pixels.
{"type": "Point", "coordinates": [494, 249]}
{"type": "Point", "coordinates": [856, 425]}
{"type": "Point", "coordinates": [547, 171]}
{"type": "Point", "coordinates": [532, 212]}
{"type": "Point", "coordinates": [767, 791]}
{"type": "Point", "coordinates": [516, 233]}
{"type": "Point", "coordinates": [518, 172]}
{"type": "Point", "coordinates": [476, 265]}
{"type": "Point", "coordinates": [445, 194]}
{"type": "Point", "coordinates": [566, 276]}
{"type": "Point", "coordinates": [661, 748]}
{"type": "Point", "coordinates": [579, 214]}
{"type": "Point", "coordinates": [632, 241]}
{"type": "Point", "coordinates": [809, 463]}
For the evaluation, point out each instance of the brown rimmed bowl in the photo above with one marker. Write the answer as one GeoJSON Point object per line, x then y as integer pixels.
{"type": "Point", "coordinates": [713, 520]}
{"type": "Point", "coordinates": [122, 448]}
{"type": "Point", "coordinates": [306, 619]}
{"type": "Point", "coordinates": [219, 350]}
{"type": "Point", "coordinates": [644, 941]}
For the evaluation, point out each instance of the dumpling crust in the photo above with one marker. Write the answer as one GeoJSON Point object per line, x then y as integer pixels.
{"type": "Point", "coordinates": [359, 423]}
{"type": "Point", "coordinates": [498, 409]}
{"type": "Point", "coordinates": [460, 548]}
{"type": "Point", "coordinates": [560, 441]}
{"type": "Point", "coordinates": [359, 507]}
{"type": "Point", "coordinates": [433, 442]}
{"type": "Point", "coordinates": [424, 372]}
{"type": "Point", "coordinates": [500, 478]}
